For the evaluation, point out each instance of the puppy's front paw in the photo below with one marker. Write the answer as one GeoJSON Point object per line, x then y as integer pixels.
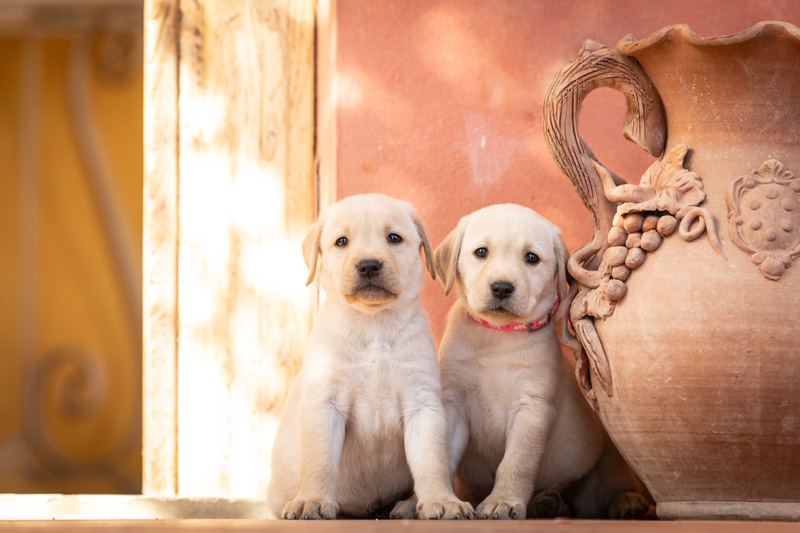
{"type": "Point", "coordinates": [499, 510]}
{"type": "Point", "coordinates": [404, 510]}
{"type": "Point", "coordinates": [309, 510]}
{"type": "Point", "coordinates": [548, 504]}
{"type": "Point", "coordinates": [628, 506]}
{"type": "Point", "coordinates": [444, 510]}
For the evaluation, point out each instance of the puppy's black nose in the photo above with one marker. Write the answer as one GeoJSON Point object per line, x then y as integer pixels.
{"type": "Point", "coordinates": [502, 289]}
{"type": "Point", "coordinates": [369, 268]}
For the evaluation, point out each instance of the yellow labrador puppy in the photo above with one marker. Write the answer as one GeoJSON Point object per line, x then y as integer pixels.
{"type": "Point", "coordinates": [364, 424]}
{"type": "Point", "coordinates": [517, 420]}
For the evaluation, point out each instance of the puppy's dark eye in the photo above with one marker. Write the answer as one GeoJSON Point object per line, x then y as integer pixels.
{"type": "Point", "coordinates": [531, 258]}
{"type": "Point", "coordinates": [394, 238]}
{"type": "Point", "coordinates": [341, 242]}
{"type": "Point", "coordinates": [481, 253]}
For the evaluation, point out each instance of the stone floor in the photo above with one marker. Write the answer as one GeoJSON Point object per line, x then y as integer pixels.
{"type": "Point", "coordinates": [396, 526]}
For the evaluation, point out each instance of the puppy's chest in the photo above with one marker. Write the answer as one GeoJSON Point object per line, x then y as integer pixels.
{"type": "Point", "coordinates": [503, 387]}
{"type": "Point", "coordinates": [500, 383]}
{"type": "Point", "coordinates": [374, 379]}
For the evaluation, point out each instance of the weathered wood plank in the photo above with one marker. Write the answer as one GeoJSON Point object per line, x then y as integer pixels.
{"type": "Point", "coordinates": [246, 197]}
{"type": "Point", "coordinates": [229, 193]}
{"type": "Point", "coordinates": [160, 247]}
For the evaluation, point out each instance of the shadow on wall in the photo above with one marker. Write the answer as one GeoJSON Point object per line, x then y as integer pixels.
{"type": "Point", "coordinates": [440, 102]}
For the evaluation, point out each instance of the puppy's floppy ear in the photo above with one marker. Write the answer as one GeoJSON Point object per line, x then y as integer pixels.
{"type": "Point", "coordinates": [565, 336]}
{"type": "Point", "coordinates": [446, 256]}
{"type": "Point", "coordinates": [311, 247]}
{"type": "Point", "coordinates": [562, 256]}
{"type": "Point", "coordinates": [426, 243]}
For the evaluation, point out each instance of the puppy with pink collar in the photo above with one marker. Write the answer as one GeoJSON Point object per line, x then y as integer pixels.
{"type": "Point", "coordinates": [517, 422]}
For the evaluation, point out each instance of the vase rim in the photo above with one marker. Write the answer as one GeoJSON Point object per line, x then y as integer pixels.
{"type": "Point", "coordinates": [678, 33]}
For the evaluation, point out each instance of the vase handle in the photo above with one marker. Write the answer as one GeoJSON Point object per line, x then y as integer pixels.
{"type": "Point", "coordinates": [598, 66]}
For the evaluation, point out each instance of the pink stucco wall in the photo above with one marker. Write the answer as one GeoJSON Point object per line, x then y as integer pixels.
{"type": "Point", "coordinates": [440, 101]}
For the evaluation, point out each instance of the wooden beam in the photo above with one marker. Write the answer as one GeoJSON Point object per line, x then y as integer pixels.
{"type": "Point", "coordinates": [63, 18]}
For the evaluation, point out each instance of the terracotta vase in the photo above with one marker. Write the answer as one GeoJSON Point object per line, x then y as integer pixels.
{"type": "Point", "coordinates": [687, 300]}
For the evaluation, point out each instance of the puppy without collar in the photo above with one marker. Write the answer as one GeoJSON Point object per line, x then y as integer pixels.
{"type": "Point", "coordinates": [517, 420]}
{"type": "Point", "coordinates": [364, 425]}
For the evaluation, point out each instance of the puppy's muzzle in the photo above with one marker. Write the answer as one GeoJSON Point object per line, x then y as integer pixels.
{"type": "Point", "coordinates": [502, 289]}
{"type": "Point", "coordinates": [372, 284]}
{"type": "Point", "coordinates": [369, 268]}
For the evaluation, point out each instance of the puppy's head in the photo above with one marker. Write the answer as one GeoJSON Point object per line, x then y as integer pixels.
{"type": "Point", "coordinates": [367, 251]}
{"type": "Point", "coordinates": [507, 263]}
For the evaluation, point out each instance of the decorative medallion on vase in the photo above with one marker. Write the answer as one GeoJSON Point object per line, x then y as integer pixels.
{"type": "Point", "coordinates": [764, 219]}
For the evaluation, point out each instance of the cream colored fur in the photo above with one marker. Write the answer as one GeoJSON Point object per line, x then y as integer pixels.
{"type": "Point", "coordinates": [517, 420]}
{"type": "Point", "coordinates": [364, 425]}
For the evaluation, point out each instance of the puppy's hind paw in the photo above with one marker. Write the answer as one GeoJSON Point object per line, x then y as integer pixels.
{"type": "Point", "coordinates": [444, 510]}
{"type": "Point", "coordinates": [309, 510]}
{"type": "Point", "coordinates": [495, 510]}
{"type": "Point", "coordinates": [404, 510]}
{"type": "Point", "coordinates": [628, 506]}
{"type": "Point", "coordinates": [548, 504]}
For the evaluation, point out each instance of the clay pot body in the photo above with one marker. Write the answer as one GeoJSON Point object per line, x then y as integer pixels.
{"type": "Point", "coordinates": [695, 368]}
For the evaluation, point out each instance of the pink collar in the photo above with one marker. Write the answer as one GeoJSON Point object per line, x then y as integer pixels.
{"type": "Point", "coordinates": [519, 326]}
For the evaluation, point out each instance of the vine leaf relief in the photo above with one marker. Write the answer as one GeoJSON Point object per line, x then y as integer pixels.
{"type": "Point", "coordinates": [764, 217]}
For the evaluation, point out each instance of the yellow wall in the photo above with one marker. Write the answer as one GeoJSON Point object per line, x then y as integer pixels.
{"type": "Point", "coordinates": [9, 191]}
{"type": "Point", "coordinates": [79, 301]}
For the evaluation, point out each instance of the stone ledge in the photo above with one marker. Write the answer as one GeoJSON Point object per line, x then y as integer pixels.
{"type": "Point", "coordinates": [127, 507]}
{"type": "Point", "coordinates": [721, 510]}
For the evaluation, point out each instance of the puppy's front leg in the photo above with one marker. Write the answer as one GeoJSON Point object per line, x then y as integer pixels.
{"type": "Point", "coordinates": [425, 436]}
{"type": "Point", "coordinates": [457, 436]}
{"type": "Point", "coordinates": [516, 474]}
{"type": "Point", "coordinates": [321, 440]}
